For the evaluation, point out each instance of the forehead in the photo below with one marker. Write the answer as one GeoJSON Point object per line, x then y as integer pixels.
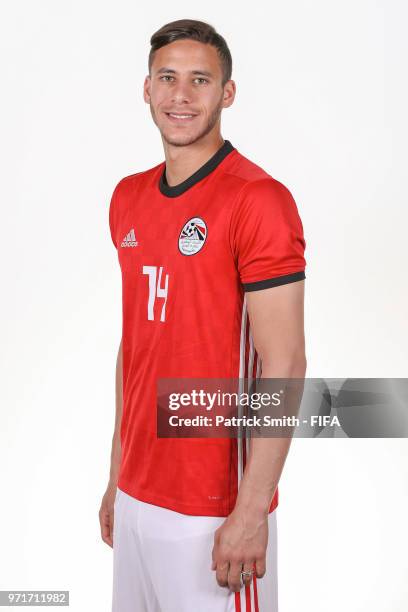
{"type": "Point", "coordinates": [186, 55]}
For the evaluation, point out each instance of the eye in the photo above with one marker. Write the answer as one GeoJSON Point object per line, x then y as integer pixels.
{"type": "Point", "coordinates": [166, 76]}
{"type": "Point", "coordinates": [201, 79]}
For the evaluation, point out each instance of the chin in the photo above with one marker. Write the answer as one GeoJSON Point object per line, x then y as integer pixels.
{"type": "Point", "coordinates": [179, 140]}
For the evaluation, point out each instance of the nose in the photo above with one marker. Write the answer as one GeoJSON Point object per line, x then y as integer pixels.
{"type": "Point", "coordinates": [181, 93]}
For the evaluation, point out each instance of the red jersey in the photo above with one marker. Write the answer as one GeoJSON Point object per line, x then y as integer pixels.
{"type": "Point", "coordinates": [187, 254]}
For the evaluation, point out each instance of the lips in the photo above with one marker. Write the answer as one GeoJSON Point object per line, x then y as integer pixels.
{"type": "Point", "coordinates": [180, 117]}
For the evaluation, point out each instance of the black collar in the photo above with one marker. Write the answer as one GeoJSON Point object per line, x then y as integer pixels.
{"type": "Point", "coordinates": [175, 190]}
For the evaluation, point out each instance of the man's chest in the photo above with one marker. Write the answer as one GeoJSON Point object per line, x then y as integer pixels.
{"type": "Point", "coordinates": [190, 240]}
{"type": "Point", "coordinates": [176, 261]}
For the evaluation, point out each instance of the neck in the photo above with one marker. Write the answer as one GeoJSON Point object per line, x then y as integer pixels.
{"type": "Point", "coordinates": [182, 162]}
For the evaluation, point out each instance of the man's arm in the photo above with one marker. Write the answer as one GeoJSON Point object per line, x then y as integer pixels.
{"type": "Point", "coordinates": [106, 509]}
{"type": "Point", "coordinates": [277, 324]}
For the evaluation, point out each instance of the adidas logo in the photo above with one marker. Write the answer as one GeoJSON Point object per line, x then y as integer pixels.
{"type": "Point", "coordinates": [130, 239]}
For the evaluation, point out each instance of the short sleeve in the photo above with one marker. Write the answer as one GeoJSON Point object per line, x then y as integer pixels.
{"type": "Point", "coordinates": [266, 236]}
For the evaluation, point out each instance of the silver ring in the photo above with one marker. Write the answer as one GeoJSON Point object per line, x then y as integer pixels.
{"type": "Point", "coordinates": [248, 574]}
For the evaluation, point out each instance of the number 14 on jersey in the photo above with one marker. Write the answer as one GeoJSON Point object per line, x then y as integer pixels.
{"type": "Point", "coordinates": [156, 290]}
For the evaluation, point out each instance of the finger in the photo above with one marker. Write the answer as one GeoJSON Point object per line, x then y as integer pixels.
{"type": "Point", "coordinates": [248, 567]}
{"type": "Point", "coordinates": [260, 567]}
{"type": "Point", "coordinates": [213, 557]}
{"type": "Point", "coordinates": [111, 519]}
{"type": "Point", "coordinates": [234, 576]}
{"type": "Point", "coordinates": [222, 573]}
{"type": "Point", "coordinates": [105, 527]}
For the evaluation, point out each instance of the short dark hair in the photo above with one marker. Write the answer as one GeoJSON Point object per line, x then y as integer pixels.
{"type": "Point", "coordinates": [194, 30]}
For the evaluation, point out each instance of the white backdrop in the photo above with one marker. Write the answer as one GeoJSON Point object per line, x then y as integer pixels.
{"type": "Point", "coordinates": [321, 105]}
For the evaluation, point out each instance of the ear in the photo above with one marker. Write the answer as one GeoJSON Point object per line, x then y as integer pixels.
{"type": "Point", "coordinates": [146, 89]}
{"type": "Point", "coordinates": [229, 93]}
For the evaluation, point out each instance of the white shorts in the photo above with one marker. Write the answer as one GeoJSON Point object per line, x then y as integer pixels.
{"type": "Point", "coordinates": [162, 563]}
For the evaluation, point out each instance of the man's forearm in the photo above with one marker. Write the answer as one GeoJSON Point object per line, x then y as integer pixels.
{"type": "Point", "coordinates": [115, 459]}
{"type": "Point", "coordinates": [116, 444]}
{"type": "Point", "coordinates": [266, 456]}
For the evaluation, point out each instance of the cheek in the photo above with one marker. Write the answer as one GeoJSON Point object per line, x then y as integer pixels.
{"type": "Point", "coordinates": [157, 98]}
{"type": "Point", "coordinates": [210, 100]}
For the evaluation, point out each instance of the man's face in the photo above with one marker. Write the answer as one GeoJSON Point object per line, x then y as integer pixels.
{"type": "Point", "coordinates": [185, 91]}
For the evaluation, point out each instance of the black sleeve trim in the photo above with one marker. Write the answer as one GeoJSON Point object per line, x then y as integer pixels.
{"type": "Point", "coordinates": [274, 282]}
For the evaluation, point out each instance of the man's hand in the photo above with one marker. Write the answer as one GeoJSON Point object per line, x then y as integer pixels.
{"type": "Point", "coordinates": [240, 545]}
{"type": "Point", "coordinates": [106, 515]}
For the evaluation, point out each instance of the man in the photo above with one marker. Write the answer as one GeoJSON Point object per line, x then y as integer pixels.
{"type": "Point", "coordinates": [211, 251]}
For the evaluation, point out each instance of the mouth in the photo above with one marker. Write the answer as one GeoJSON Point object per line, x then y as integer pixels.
{"type": "Point", "coordinates": [180, 117]}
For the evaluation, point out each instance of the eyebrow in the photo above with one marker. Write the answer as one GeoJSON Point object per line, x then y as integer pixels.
{"type": "Point", "coordinates": [172, 71]}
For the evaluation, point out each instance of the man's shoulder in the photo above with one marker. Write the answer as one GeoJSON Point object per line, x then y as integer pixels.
{"type": "Point", "coordinates": [251, 179]}
{"type": "Point", "coordinates": [130, 181]}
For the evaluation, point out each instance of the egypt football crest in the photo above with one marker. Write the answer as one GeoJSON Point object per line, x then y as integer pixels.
{"type": "Point", "coordinates": [192, 236]}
